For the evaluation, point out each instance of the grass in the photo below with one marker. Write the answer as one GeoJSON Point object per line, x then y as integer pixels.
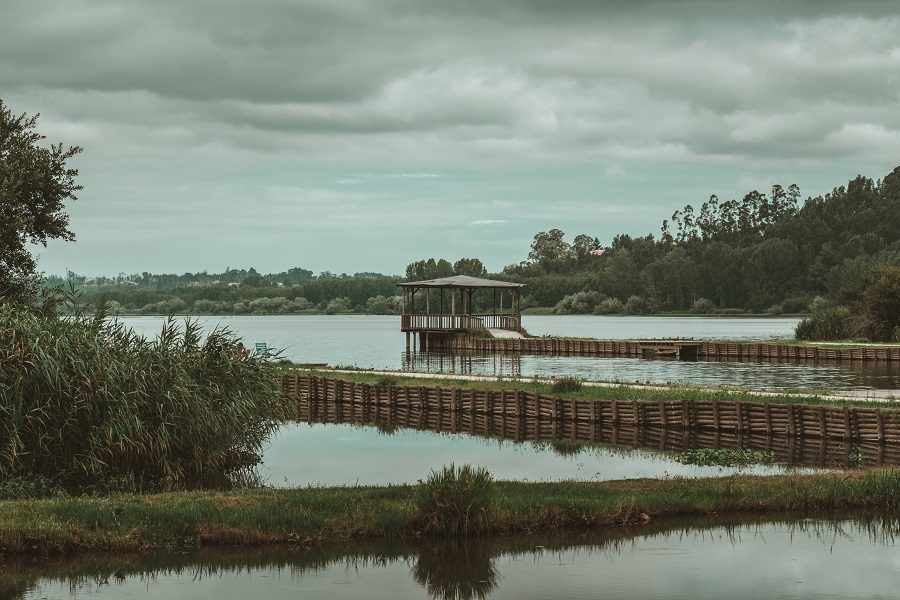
{"type": "Point", "coordinates": [312, 515]}
{"type": "Point", "coordinates": [621, 392]}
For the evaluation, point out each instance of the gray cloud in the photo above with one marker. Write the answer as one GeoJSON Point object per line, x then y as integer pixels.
{"type": "Point", "coordinates": [519, 102]}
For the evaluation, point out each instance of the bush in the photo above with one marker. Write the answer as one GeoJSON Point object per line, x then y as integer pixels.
{"type": "Point", "coordinates": [455, 501]}
{"type": "Point", "coordinates": [339, 305]}
{"type": "Point", "coordinates": [833, 324]}
{"type": "Point", "coordinates": [85, 401]}
{"type": "Point", "coordinates": [579, 303]}
{"type": "Point", "coordinates": [566, 384]}
{"type": "Point", "coordinates": [703, 306]}
{"type": "Point", "coordinates": [775, 309]}
{"type": "Point", "coordinates": [637, 305]}
{"type": "Point", "coordinates": [795, 304]}
{"type": "Point", "coordinates": [819, 304]}
{"type": "Point", "coordinates": [610, 306]}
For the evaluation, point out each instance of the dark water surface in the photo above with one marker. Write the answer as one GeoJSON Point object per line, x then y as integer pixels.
{"type": "Point", "coordinates": [852, 558]}
{"type": "Point", "coordinates": [372, 341]}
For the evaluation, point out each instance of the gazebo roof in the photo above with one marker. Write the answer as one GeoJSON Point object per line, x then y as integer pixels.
{"type": "Point", "coordinates": [461, 281]}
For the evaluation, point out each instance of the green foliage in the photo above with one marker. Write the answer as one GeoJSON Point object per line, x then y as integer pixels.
{"type": "Point", "coordinates": [722, 457]}
{"type": "Point", "coordinates": [566, 384]}
{"type": "Point", "coordinates": [435, 269]}
{"type": "Point", "coordinates": [19, 487]}
{"type": "Point", "coordinates": [35, 183]}
{"type": "Point", "coordinates": [86, 402]}
{"type": "Point", "coordinates": [831, 324]}
{"type": "Point", "coordinates": [877, 302]}
{"type": "Point", "coordinates": [761, 251]}
{"type": "Point", "coordinates": [455, 501]}
{"type": "Point", "coordinates": [579, 303]}
{"type": "Point", "coordinates": [637, 305]}
{"type": "Point", "coordinates": [703, 306]}
{"type": "Point", "coordinates": [610, 306]}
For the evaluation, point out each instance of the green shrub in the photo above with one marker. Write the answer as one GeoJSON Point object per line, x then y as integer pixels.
{"type": "Point", "coordinates": [637, 305]}
{"type": "Point", "coordinates": [88, 403]}
{"type": "Point", "coordinates": [703, 306]}
{"type": "Point", "coordinates": [566, 384]}
{"type": "Point", "coordinates": [610, 306]}
{"type": "Point", "coordinates": [455, 501]}
{"type": "Point", "coordinates": [579, 303]}
{"type": "Point", "coordinates": [831, 324]}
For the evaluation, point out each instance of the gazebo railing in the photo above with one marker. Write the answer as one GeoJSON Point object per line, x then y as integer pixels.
{"type": "Point", "coordinates": [501, 322]}
{"type": "Point", "coordinates": [458, 322]}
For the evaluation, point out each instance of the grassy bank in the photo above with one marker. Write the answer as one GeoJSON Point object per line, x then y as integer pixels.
{"type": "Point", "coordinates": [267, 516]}
{"type": "Point", "coordinates": [622, 392]}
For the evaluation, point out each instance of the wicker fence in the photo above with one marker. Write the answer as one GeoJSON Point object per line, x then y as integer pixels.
{"type": "Point", "coordinates": [707, 350]}
{"type": "Point", "coordinates": [745, 418]}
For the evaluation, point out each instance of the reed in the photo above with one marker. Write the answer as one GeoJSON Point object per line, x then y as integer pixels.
{"type": "Point", "coordinates": [84, 401]}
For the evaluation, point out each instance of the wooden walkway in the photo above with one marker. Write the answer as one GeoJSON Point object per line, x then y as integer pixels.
{"type": "Point", "coordinates": [705, 349]}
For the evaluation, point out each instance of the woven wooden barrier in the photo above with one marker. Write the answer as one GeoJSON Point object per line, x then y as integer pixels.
{"type": "Point", "coordinates": [739, 418]}
{"type": "Point", "coordinates": [790, 450]}
{"type": "Point", "coordinates": [707, 350]}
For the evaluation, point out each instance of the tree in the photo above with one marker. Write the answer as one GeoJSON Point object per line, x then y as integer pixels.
{"type": "Point", "coordinates": [472, 267]}
{"type": "Point", "coordinates": [35, 183]}
{"type": "Point", "coordinates": [548, 246]}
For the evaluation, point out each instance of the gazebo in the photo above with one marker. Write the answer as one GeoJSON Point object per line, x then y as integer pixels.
{"type": "Point", "coordinates": [443, 309]}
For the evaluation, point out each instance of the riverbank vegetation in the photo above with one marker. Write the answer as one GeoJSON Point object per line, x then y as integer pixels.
{"type": "Point", "coordinates": [766, 253]}
{"type": "Point", "coordinates": [312, 515]}
{"type": "Point", "coordinates": [88, 405]}
{"type": "Point", "coordinates": [870, 311]}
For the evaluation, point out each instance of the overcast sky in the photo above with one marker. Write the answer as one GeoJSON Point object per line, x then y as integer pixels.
{"type": "Point", "coordinates": [360, 135]}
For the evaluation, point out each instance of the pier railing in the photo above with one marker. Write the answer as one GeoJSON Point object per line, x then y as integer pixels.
{"type": "Point", "coordinates": [459, 322]}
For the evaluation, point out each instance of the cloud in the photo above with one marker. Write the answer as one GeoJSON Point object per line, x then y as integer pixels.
{"type": "Point", "coordinates": [488, 221]}
{"type": "Point", "coordinates": [559, 109]}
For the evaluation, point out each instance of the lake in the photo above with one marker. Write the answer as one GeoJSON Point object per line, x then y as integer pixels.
{"type": "Point", "coordinates": [840, 557]}
{"type": "Point", "coordinates": [375, 341]}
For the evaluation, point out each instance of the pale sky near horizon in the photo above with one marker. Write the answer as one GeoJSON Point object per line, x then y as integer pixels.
{"type": "Point", "coordinates": [349, 135]}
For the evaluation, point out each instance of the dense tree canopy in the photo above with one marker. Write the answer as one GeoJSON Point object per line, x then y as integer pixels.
{"type": "Point", "coordinates": [35, 183]}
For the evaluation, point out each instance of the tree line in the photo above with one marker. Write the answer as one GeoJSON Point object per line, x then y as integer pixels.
{"type": "Point", "coordinates": [765, 253]}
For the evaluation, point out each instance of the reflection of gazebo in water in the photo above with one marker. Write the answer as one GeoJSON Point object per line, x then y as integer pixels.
{"type": "Point", "coordinates": [443, 311]}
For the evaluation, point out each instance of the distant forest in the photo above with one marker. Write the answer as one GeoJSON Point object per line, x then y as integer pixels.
{"type": "Point", "coordinates": [767, 253]}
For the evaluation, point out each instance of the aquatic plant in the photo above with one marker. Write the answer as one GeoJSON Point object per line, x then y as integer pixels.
{"type": "Point", "coordinates": [724, 457]}
{"type": "Point", "coordinates": [455, 501]}
{"type": "Point", "coordinates": [89, 404]}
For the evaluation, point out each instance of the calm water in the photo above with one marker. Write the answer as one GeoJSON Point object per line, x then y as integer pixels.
{"type": "Point", "coordinates": [372, 341]}
{"type": "Point", "coordinates": [847, 558]}
{"type": "Point", "coordinates": [320, 454]}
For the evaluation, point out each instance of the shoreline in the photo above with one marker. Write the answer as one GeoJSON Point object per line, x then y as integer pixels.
{"type": "Point", "coordinates": [267, 516]}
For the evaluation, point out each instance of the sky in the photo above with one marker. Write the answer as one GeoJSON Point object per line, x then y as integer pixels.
{"type": "Point", "coordinates": [358, 135]}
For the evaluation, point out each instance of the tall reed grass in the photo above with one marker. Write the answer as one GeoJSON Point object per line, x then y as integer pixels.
{"type": "Point", "coordinates": [85, 401]}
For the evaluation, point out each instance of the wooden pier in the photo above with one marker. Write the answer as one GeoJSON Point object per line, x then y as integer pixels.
{"type": "Point", "coordinates": [684, 349]}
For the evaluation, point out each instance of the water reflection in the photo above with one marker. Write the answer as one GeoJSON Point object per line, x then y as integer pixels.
{"type": "Point", "coordinates": [569, 439]}
{"type": "Point", "coordinates": [757, 375]}
{"type": "Point", "coordinates": [845, 556]}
